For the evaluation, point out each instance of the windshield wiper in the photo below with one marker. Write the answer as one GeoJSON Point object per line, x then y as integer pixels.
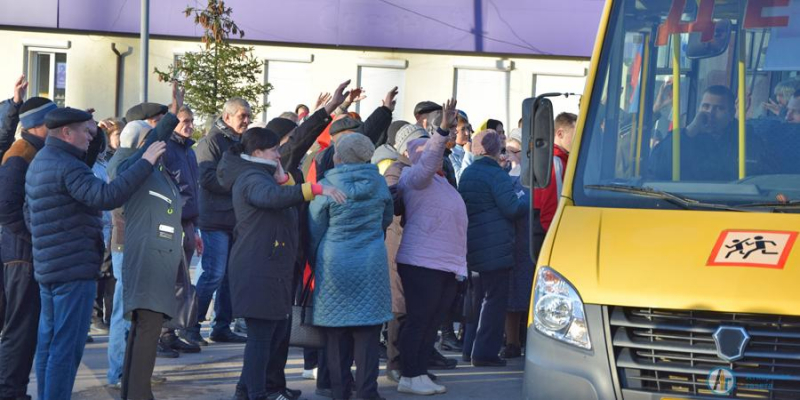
{"type": "Point", "coordinates": [790, 206]}
{"type": "Point", "coordinates": [678, 200]}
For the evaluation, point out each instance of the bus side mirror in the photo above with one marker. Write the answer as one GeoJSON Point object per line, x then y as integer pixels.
{"type": "Point", "coordinates": [537, 141]}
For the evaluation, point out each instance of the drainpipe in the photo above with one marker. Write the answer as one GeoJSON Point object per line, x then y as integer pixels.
{"type": "Point", "coordinates": [145, 46]}
{"type": "Point", "coordinates": [118, 83]}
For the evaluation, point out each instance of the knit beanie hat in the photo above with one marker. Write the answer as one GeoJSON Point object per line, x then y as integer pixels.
{"type": "Point", "coordinates": [391, 134]}
{"type": "Point", "coordinates": [33, 111]}
{"type": "Point", "coordinates": [133, 134]}
{"type": "Point", "coordinates": [487, 143]}
{"type": "Point", "coordinates": [407, 134]}
{"type": "Point", "coordinates": [281, 126]}
{"type": "Point", "coordinates": [354, 148]}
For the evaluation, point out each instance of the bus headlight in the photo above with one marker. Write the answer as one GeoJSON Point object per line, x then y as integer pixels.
{"type": "Point", "coordinates": [558, 309]}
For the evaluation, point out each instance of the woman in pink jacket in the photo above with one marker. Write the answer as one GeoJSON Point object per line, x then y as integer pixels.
{"type": "Point", "coordinates": [432, 252]}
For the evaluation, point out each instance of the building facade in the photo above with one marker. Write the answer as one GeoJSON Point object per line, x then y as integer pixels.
{"type": "Point", "coordinates": [70, 50]}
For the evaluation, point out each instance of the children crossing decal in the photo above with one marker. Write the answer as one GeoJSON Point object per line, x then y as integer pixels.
{"type": "Point", "coordinates": [767, 249]}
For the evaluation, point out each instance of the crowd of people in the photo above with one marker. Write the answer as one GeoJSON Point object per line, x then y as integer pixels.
{"type": "Point", "coordinates": [394, 236]}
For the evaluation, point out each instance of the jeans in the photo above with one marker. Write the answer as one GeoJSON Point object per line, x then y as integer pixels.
{"type": "Point", "coordinates": [118, 333]}
{"type": "Point", "coordinates": [491, 325]}
{"type": "Point", "coordinates": [263, 339]}
{"type": "Point", "coordinates": [63, 328]}
{"type": "Point", "coordinates": [217, 246]}
{"type": "Point", "coordinates": [18, 346]}
{"type": "Point", "coordinates": [429, 295]}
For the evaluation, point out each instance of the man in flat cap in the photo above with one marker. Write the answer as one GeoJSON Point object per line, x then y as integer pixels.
{"type": "Point", "coordinates": [424, 112]}
{"type": "Point", "coordinates": [64, 199]}
{"type": "Point", "coordinates": [18, 346]}
{"type": "Point", "coordinates": [148, 112]}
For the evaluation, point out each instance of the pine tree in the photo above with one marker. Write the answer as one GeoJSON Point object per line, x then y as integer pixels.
{"type": "Point", "coordinates": [219, 70]}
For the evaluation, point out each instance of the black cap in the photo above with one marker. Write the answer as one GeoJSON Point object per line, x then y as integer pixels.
{"type": "Point", "coordinates": [345, 124]}
{"type": "Point", "coordinates": [145, 111]}
{"type": "Point", "coordinates": [65, 116]}
{"type": "Point", "coordinates": [281, 126]}
{"type": "Point", "coordinates": [425, 107]}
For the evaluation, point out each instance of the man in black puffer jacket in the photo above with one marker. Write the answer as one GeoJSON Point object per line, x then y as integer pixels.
{"type": "Point", "coordinates": [65, 199]}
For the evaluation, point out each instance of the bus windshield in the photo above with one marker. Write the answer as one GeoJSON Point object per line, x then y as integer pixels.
{"type": "Point", "coordinates": [695, 100]}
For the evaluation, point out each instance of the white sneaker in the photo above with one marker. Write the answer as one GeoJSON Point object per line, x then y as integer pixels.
{"type": "Point", "coordinates": [415, 386]}
{"type": "Point", "coordinates": [310, 374]}
{"type": "Point", "coordinates": [433, 385]}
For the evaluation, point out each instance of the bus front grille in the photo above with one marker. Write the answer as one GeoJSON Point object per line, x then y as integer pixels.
{"type": "Point", "coordinates": [674, 352]}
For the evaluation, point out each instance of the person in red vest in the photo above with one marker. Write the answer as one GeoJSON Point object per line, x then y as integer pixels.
{"type": "Point", "coordinates": [546, 200]}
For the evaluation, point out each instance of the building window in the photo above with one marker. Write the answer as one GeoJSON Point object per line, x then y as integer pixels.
{"type": "Point", "coordinates": [543, 83]}
{"type": "Point", "coordinates": [291, 85]}
{"type": "Point", "coordinates": [483, 94]}
{"type": "Point", "coordinates": [378, 81]}
{"type": "Point", "coordinates": [48, 75]}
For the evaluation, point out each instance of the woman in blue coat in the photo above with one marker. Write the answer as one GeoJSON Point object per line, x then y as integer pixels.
{"type": "Point", "coordinates": [352, 298]}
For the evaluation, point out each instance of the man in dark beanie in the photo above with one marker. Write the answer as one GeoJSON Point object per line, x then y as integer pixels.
{"type": "Point", "coordinates": [64, 198]}
{"type": "Point", "coordinates": [9, 118]}
{"type": "Point", "coordinates": [21, 318]}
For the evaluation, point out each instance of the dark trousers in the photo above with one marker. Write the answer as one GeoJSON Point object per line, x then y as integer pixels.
{"type": "Point", "coordinates": [18, 345]}
{"type": "Point", "coordinates": [429, 295]}
{"type": "Point", "coordinates": [276, 369]}
{"type": "Point", "coordinates": [491, 324]}
{"type": "Point", "coordinates": [189, 247]}
{"type": "Point", "coordinates": [393, 342]}
{"type": "Point", "coordinates": [140, 354]}
{"type": "Point", "coordinates": [263, 340]}
{"type": "Point", "coordinates": [104, 302]}
{"type": "Point", "coordinates": [364, 343]}
{"type": "Point", "coordinates": [310, 359]}
{"type": "Point", "coordinates": [2, 301]}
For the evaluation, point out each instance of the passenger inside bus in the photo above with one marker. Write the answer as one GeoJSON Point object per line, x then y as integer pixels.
{"type": "Point", "coordinates": [709, 144]}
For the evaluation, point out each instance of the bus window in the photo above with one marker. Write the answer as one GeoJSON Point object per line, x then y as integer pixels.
{"type": "Point", "coordinates": [686, 100]}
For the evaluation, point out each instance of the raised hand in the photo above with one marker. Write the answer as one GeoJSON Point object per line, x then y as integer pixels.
{"type": "Point", "coordinates": [773, 107]}
{"type": "Point", "coordinates": [391, 99]}
{"type": "Point", "coordinates": [339, 96]}
{"type": "Point", "coordinates": [449, 114]}
{"type": "Point", "coordinates": [334, 193]}
{"type": "Point", "coordinates": [154, 152]}
{"type": "Point", "coordinates": [323, 99]}
{"type": "Point", "coordinates": [177, 97]}
{"type": "Point", "coordinates": [20, 87]}
{"type": "Point", "coordinates": [357, 95]}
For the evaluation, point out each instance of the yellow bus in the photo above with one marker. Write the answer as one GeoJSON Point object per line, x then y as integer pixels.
{"type": "Point", "coordinates": [671, 270]}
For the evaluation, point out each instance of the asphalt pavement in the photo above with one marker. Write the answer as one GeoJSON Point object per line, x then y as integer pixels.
{"type": "Point", "coordinates": [213, 373]}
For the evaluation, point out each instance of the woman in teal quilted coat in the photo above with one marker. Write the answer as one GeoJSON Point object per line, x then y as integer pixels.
{"type": "Point", "coordinates": [352, 297]}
